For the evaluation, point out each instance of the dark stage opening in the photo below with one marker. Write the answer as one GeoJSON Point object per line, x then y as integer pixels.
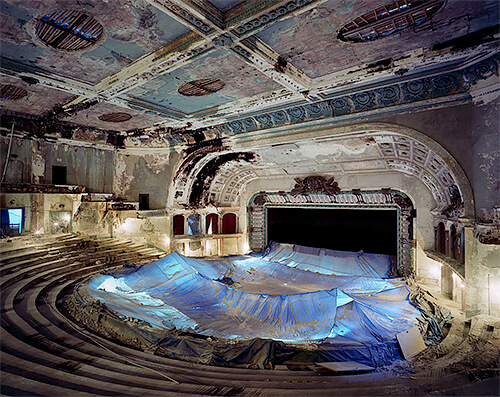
{"type": "Point", "coordinates": [370, 231]}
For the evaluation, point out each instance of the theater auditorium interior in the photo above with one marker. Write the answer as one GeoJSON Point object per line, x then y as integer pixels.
{"type": "Point", "coordinates": [250, 197]}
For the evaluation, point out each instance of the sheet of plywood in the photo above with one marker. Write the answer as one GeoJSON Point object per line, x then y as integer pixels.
{"type": "Point", "coordinates": [346, 366]}
{"type": "Point", "coordinates": [411, 342]}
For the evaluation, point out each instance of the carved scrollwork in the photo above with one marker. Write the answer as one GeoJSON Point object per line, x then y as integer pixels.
{"type": "Point", "coordinates": [403, 202]}
{"type": "Point", "coordinates": [316, 184]}
{"type": "Point", "coordinates": [260, 200]}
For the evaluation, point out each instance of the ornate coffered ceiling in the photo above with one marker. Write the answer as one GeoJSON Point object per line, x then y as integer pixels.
{"type": "Point", "coordinates": [280, 61]}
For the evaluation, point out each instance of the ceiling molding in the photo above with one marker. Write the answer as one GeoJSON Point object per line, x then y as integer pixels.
{"type": "Point", "coordinates": [409, 91]}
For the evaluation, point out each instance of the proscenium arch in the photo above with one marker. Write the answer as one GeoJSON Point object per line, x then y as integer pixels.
{"type": "Point", "coordinates": [382, 199]}
{"type": "Point", "coordinates": [403, 149]}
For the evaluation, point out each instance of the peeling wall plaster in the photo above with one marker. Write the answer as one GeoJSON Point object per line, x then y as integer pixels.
{"type": "Point", "coordinates": [89, 167]}
{"type": "Point", "coordinates": [38, 162]}
{"type": "Point", "coordinates": [122, 174]}
{"type": "Point", "coordinates": [482, 272]}
{"type": "Point", "coordinates": [19, 166]}
{"type": "Point", "coordinates": [144, 174]}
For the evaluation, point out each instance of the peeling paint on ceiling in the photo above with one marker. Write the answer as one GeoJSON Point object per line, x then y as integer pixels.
{"type": "Point", "coordinates": [309, 40]}
{"type": "Point", "coordinates": [90, 117]}
{"type": "Point", "coordinates": [240, 81]}
{"type": "Point", "coordinates": [37, 100]}
{"type": "Point", "coordinates": [281, 63]}
{"type": "Point", "coordinates": [132, 28]}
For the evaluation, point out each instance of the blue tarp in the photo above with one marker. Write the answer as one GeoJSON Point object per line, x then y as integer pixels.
{"type": "Point", "coordinates": [332, 262]}
{"type": "Point", "coordinates": [340, 298]}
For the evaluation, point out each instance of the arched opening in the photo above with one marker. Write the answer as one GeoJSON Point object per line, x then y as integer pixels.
{"type": "Point", "coordinates": [194, 224]}
{"type": "Point", "coordinates": [453, 242]}
{"type": "Point", "coordinates": [178, 225]}
{"type": "Point", "coordinates": [229, 223]}
{"type": "Point", "coordinates": [212, 224]}
{"type": "Point", "coordinates": [441, 239]}
{"type": "Point", "coordinates": [368, 230]}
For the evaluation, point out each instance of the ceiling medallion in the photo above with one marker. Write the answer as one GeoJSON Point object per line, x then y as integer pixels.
{"type": "Point", "coordinates": [68, 30]}
{"type": "Point", "coordinates": [11, 92]}
{"type": "Point", "coordinates": [201, 87]}
{"type": "Point", "coordinates": [115, 117]}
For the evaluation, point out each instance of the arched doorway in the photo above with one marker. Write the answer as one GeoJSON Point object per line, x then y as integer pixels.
{"type": "Point", "coordinates": [453, 243]}
{"type": "Point", "coordinates": [440, 238]}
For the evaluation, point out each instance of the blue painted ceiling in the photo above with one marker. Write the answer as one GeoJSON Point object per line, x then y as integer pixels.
{"type": "Point", "coordinates": [132, 29]}
{"type": "Point", "coordinates": [300, 32]}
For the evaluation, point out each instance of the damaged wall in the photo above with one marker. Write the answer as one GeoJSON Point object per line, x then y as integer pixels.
{"type": "Point", "coordinates": [482, 275]}
{"type": "Point", "coordinates": [19, 165]}
{"type": "Point", "coordinates": [152, 231]}
{"type": "Point", "coordinates": [149, 173]}
{"type": "Point", "coordinates": [89, 167]}
{"type": "Point", "coordinates": [31, 161]}
{"type": "Point", "coordinates": [91, 218]}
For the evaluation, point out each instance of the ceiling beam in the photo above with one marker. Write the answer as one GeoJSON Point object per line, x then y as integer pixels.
{"type": "Point", "coordinates": [208, 32]}
{"type": "Point", "coordinates": [67, 84]}
{"type": "Point", "coordinates": [198, 19]}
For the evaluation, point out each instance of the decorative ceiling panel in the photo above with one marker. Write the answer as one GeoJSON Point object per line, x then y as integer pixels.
{"type": "Point", "coordinates": [309, 40]}
{"type": "Point", "coordinates": [90, 117]}
{"type": "Point", "coordinates": [37, 100]}
{"type": "Point", "coordinates": [240, 81]}
{"type": "Point", "coordinates": [131, 29]}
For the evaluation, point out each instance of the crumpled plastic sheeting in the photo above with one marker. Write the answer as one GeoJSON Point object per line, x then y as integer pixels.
{"type": "Point", "coordinates": [215, 308]}
{"type": "Point", "coordinates": [339, 263]}
{"type": "Point", "coordinates": [433, 316]}
{"type": "Point", "coordinates": [180, 292]}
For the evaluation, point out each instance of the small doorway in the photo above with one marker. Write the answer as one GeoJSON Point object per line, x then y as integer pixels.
{"type": "Point", "coordinates": [59, 175]}
{"type": "Point", "coordinates": [143, 202]}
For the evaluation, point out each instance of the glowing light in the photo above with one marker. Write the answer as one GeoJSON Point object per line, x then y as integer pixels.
{"type": "Point", "coordinates": [245, 247]}
{"type": "Point", "coordinates": [127, 226]}
{"type": "Point", "coordinates": [434, 269]}
{"type": "Point", "coordinates": [66, 217]}
{"type": "Point", "coordinates": [56, 223]}
{"type": "Point", "coordinates": [166, 240]}
{"type": "Point", "coordinates": [39, 231]}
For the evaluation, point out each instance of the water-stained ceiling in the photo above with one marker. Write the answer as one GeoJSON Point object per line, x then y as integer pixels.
{"type": "Point", "coordinates": [268, 57]}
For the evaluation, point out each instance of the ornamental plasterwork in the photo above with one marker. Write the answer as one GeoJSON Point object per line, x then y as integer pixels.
{"type": "Point", "coordinates": [229, 183]}
{"type": "Point", "coordinates": [384, 198]}
{"type": "Point", "coordinates": [405, 92]}
{"type": "Point", "coordinates": [394, 152]}
{"type": "Point", "coordinates": [411, 157]}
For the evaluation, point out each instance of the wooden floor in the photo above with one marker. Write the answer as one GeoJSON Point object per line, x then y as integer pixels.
{"type": "Point", "coordinates": [44, 353]}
